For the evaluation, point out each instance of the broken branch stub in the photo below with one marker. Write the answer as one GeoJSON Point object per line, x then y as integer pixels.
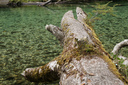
{"type": "Point", "coordinates": [83, 60]}
{"type": "Point", "coordinates": [56, 31]}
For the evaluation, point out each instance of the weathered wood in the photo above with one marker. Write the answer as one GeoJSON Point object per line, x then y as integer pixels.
{"type": "Point", "coordinates": [56, 31]}
{"type": "Point", "coordinates": [37, 3]}
{"type": "Point", "coordinates": [83, 61]}
{"type": "Point", "coordinates": [47, 2]}
{"type": "Point", "coordinates": [117, 47]}
{"type": "Point", "coordinates": [4, 2]}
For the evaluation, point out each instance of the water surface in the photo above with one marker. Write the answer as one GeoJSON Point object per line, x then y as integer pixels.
{"type": "Point", "coordinates": [25, 43]}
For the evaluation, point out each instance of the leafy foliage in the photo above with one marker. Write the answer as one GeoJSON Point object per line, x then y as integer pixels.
{"type": "Point", "coordinates": [120, 66]}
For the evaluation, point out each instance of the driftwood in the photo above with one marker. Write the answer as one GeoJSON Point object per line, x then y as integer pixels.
{"type": "Point", "coordinates": [4, 2]}
{"type": "Point", "coordinates": [37, 3]}
{"type": "Point", "coordinates": [83, 61]}
{"type": "Point", "coordinates": [117, 47]}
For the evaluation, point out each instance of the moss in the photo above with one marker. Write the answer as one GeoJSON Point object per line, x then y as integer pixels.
{"type": "Point", "coordinates": [105, 56]}
{"type": "Point", "coordinates": [71, 73]}
{"type": "Point", "coordinates": [72, 52]}
{"type": "Point", "coordinates": [85, 48]}
{"type": "Point", "coordinates": [43, 76]}
{"type": "Point", "coordinates": [113, 68]}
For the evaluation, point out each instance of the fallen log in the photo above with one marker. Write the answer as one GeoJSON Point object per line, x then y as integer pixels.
{"type": "Point", "coordinates": [83, 61]}
{"type": "Point", "coordinates": [37, 3]}
{"type": "Point", "coordinates": [3, 2]}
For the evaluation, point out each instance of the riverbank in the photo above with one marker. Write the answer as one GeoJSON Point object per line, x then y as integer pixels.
{"type": "Point", "coordinates": [49, 2]}
{"type": "Point", "coordinates": [19, 3]}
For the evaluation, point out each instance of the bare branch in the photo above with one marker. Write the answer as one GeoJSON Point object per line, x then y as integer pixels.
{"type": "Point", "coordinates": [55, 31]}
{"type": "Point", "coordinates": [119, 46]}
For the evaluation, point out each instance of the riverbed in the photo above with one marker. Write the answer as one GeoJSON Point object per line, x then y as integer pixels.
{"type": "Point", "coordinates": [25, 43]}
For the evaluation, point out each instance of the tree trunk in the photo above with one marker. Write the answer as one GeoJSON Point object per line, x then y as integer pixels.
{"type": "Point", "coordinates": [83, 60]}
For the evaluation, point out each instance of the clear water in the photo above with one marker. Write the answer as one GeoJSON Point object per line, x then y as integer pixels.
{"type": "Point", "coordinates": [25, 43]}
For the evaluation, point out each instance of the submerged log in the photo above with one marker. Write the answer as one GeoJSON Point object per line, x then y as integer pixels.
{"type": "Point", "coordinates": [83, 61]}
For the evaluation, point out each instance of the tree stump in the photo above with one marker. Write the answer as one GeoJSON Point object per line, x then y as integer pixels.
{"type": "Point", "coordinates": [83, 61]}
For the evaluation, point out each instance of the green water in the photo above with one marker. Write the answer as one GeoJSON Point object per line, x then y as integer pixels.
{"type": "Point", "coordinates": [25, 43]}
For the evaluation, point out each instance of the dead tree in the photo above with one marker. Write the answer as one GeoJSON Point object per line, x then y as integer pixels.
{"type": "Point", "coordinates": [117, 47]}
{"type": "Point", "coordinates": [83, 61]}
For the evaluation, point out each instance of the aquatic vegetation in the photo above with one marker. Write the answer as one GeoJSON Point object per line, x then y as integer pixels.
{"type": "Point", "coordinates": [24, 42]}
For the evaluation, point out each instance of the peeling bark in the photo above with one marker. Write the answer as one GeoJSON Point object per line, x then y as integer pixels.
{"type": "Point", "coordinates": [83, 61]}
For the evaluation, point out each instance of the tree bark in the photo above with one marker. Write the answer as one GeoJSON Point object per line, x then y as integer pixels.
{"type": "Point", "coordinates": [83, 61]}
{"type": "Point", "coordinates": [117, 47]}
